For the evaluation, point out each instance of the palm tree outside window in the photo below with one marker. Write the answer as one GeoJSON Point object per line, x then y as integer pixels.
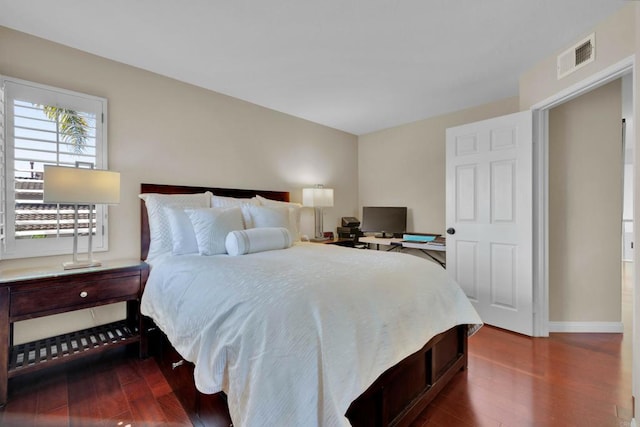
{"type": "Point", "coordinates": [48, 134]}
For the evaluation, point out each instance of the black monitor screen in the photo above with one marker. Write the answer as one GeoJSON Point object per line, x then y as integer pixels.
{"type": "Point", "coordinates": [384, 219]}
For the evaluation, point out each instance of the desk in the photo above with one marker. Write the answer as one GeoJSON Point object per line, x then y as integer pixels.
{"type": "Point", "coordinates": [349, 243]}
{"type": "Point", "coordinates": [425, 248]}
{"type": "Point", "coordinates": [394, 242]}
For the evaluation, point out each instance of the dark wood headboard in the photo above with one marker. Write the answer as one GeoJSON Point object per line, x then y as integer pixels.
{"type": "Point", "coordinates": [145, 237]}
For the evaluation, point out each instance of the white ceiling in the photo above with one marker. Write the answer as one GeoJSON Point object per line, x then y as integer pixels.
{"type": "Point", "coordinates": [354, 65]}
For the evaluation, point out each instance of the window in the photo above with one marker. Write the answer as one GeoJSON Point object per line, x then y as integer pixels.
{"type": "Point", "coordinates": [45, 125]}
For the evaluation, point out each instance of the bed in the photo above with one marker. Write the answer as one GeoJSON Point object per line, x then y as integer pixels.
{"type": "Point", "coordinates": [320, 359]}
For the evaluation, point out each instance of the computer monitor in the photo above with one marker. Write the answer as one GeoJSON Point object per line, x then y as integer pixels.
{"type": "Point", "coordinates": [389, 221]}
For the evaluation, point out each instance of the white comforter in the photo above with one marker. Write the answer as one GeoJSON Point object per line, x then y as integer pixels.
{"type": "Point", "coordinates": [294, 335]}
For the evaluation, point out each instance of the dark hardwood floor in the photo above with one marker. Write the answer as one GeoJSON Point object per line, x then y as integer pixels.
{"type": "Point", "coordinates": [512, 380]}
{"type": "Point", "coordinates": [564, 380]}
{"type": "Point", "coordinates": [112, 389]}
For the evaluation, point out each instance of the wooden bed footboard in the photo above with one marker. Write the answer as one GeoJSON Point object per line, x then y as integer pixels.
{"type": "Point", "coordinates": [395, 399]}
{"type": "Point", "coordinates": [403, 391]}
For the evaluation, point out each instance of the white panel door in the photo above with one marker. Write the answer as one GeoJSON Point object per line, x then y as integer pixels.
{"type": "Point", "coordinates": [489, 217]}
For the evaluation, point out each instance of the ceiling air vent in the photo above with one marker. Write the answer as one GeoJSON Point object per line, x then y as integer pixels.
{"type": "Point", "coordinates": [577, 56]}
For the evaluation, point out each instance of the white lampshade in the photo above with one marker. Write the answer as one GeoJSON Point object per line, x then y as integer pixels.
{"type": "Point", "coordinates": [318, 197]}
{"type": "Point", "coordinates": [80, 185]}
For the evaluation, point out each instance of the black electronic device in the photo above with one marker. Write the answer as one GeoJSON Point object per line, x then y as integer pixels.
{"type": "Point", "coordinates": [386, 221]}
{"type": "Point", "coordinates": [350, 221]}
{"type": "Point", "coordinates": [348, 232]}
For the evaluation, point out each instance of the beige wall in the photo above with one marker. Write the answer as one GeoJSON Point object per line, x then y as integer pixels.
{"type": "Point", "coordinates": [614, 41]}
{"type": "Point", "coordinates": [405, 165]}
{"type": "Point", "coordinates": [585, 207]}
{"type": "Point", "coordinates": [164, 131]}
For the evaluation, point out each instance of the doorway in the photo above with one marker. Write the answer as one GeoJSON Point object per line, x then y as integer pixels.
{"type": "Point", "coordinates": [541, 182]}
{"type": "Point", "coordinates": [541, 203]}
{"type": "Point", "coordinates": [585, 212]}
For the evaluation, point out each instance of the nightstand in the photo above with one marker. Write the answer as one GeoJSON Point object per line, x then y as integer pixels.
{"type": "Point", "coordinates": [30, 293]}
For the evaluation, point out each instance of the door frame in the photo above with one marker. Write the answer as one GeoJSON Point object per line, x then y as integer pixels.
{"type": "Point", "coordinates": [540, 112]}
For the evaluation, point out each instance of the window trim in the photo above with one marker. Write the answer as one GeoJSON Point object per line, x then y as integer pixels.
{"type": "Point", "coordinates": [26, 248]}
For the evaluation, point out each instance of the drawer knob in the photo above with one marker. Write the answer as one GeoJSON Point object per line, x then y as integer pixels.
{"type": "Point", "coordinates": [177, 364]}
{"type": "Point", "coordinates": [83, 294]}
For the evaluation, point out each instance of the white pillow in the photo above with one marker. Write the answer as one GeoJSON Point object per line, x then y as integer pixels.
{"type": "Point", "coordinates": [183, 237]}
{"type": "Point", "coordinates": [294, 213]}
{"type": "Point", "coordinates": [229, 202]}
{"type": "Point", "coordinates": [243, 242]}
{"type": "Point", "coordinates": [211, 227]}
{"type": "Point", "coordinates": [271, 216]}
{"type": "Point", "coordinates": [159, 229]}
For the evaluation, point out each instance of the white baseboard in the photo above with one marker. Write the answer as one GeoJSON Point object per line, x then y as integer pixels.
{"type": "Point", "coordinates": [587, 327]}
{"type": "Point", "coordinates": [633, 422]}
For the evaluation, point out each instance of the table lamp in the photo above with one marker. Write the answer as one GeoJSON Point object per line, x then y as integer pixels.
{"type": "Point", "coordinates": [81, 185]}
{"type": "Point", "coordinates": [318, 198]}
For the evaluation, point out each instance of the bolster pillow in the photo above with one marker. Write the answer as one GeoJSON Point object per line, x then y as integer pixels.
{"type": "Point", "coordinates": [253, 240]}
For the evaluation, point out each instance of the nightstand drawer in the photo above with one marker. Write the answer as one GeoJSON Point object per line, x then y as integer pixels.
{"type": "Point", "coordinates": [63, 297]}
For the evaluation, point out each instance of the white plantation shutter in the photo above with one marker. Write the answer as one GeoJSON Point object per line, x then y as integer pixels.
{"type": "Point", "coordinates": [33, 139]}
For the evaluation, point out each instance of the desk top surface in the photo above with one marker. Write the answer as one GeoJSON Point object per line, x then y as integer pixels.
{"type": "Point", "coordinates": [395, 241]}
{"type": "Point", "coordinates": [380, 240]}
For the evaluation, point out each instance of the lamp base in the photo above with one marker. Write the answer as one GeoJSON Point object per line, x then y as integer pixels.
{"type": "Point", "coordinates": [319, 239]}
{"type": "Point", "coordinates": [71, 265]}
